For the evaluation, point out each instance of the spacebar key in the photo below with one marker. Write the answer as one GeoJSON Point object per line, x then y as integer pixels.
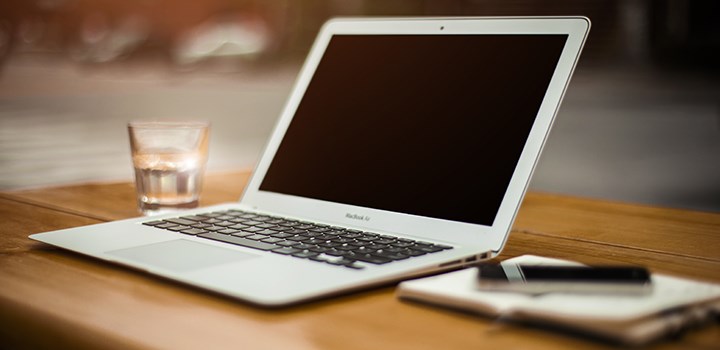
{"type": "Point", "coordinates": [238, 240]}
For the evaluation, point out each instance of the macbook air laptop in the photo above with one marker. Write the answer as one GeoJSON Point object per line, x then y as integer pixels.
{"type": "Point", "coordinates": [405, 148]}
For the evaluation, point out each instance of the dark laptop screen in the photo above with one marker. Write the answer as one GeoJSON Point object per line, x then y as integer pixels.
{"type": "Point", "coordinates": [430, 125]}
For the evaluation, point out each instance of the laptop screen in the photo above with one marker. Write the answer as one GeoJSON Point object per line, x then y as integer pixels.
{"type": "Point", "coordinates": [429, 125]}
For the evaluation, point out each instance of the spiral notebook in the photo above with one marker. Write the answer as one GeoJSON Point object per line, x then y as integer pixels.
{"type": "Point", "coordinates": [673, 305]}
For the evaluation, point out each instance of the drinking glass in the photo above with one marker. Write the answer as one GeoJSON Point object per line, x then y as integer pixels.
{"type": "Point", "coordinates": [169, 159]}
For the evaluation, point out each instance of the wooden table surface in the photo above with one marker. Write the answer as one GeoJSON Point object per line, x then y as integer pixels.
{"type": "Point", "coordinates": [53, 298]}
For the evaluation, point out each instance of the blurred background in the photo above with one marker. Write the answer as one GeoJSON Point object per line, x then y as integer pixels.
{"type": "Point", "coordinates": [640, 122]}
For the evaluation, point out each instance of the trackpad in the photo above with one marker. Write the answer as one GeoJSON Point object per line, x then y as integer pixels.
{"type": "Point", "coordinates": [180, 255]}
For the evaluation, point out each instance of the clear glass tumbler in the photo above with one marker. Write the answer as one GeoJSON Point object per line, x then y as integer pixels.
{"type": "Point", "coordinates": [169, 159]}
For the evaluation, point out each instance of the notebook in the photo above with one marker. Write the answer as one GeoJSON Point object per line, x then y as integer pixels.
{"type": "Point", "coordinates": [405, 147]}
{"type": "Point", "coordinates": [674, 305]}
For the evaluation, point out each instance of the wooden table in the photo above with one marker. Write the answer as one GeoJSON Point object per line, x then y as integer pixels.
{"type": "Point", "coordinates": [53, 298]}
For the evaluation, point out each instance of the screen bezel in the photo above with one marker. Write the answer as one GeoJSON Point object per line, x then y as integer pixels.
{"type": "Point", "coordinates": [494, 236]}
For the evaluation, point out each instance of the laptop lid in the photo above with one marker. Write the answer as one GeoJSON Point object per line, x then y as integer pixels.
{"type": "Point", "coordinates": [429, 128]}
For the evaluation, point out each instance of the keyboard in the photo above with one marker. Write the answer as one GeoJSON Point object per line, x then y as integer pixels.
{"type": "Point", "coordinates": [333, 245]}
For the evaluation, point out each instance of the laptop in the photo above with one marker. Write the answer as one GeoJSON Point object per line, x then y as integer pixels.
{"type": "Point", "coordinates": [405, 148]}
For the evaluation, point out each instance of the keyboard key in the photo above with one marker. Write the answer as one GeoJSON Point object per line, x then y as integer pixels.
{"type": "Point", "coordinates": [413, 253]}
{"type": "Point", "coordinates": [393, 249]}
{"type": "Point", "coordinates": [391, 255]}
{"type": "Point", "coordinates": [166, 225]}
{"type": "Point", "coordinates": [242, 234]}
{"type": "Point", "coordinates": [321, 258]}
{"type": "Point", "coordinates": [308, 240]}
{"type": "Point", "coordinates": [286, 250]}
{"type": "Point", "coordinates": [287, 223]}
{"type": "Point", "coordinates": [347, 263]}
{"type": "Point", "coordinates": [238, 241]}
{"type": "Point", "coordinates": [330, 244]}
{"type": "Point", "coordinates": [305, 254]}
{"type": "Point", "coordinates": [194, 218]}
{"type": "Point", "coordinates": [281, 235]}
{"type": "Point", "coordinates": [335, 252]}
{"type": "Point", "coordinates": [288, 243]}
{"type": "Point", "coordinates": [257, 237]}
{"type": "Point", "coordinates": [304, 246]}
{"type": "Point", "coordinates": [373, 259]}
{"type": "Point", "coordinates": [427, 249]}
{"type": "Point", "coordinates": [193, 231]}
{"type": "Point", "coordinates": [201, 225]}
{"type": "Point", "coordinates": [267, 232]}
{"type": "Point", "coordinates": [228, 231]}
{"type": "Point", "coordinates": [179, 221]}
{"type": "Point", "coordinates": [318, 249]}
{"type": "Point", "coordinates": [295, 231]}
{"type": "Point", "coordinates": [225, 223]}
{"type": "Point", "coordinates": [154, 223]}
{"type": "Point", "coordinates": [354, 266]}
